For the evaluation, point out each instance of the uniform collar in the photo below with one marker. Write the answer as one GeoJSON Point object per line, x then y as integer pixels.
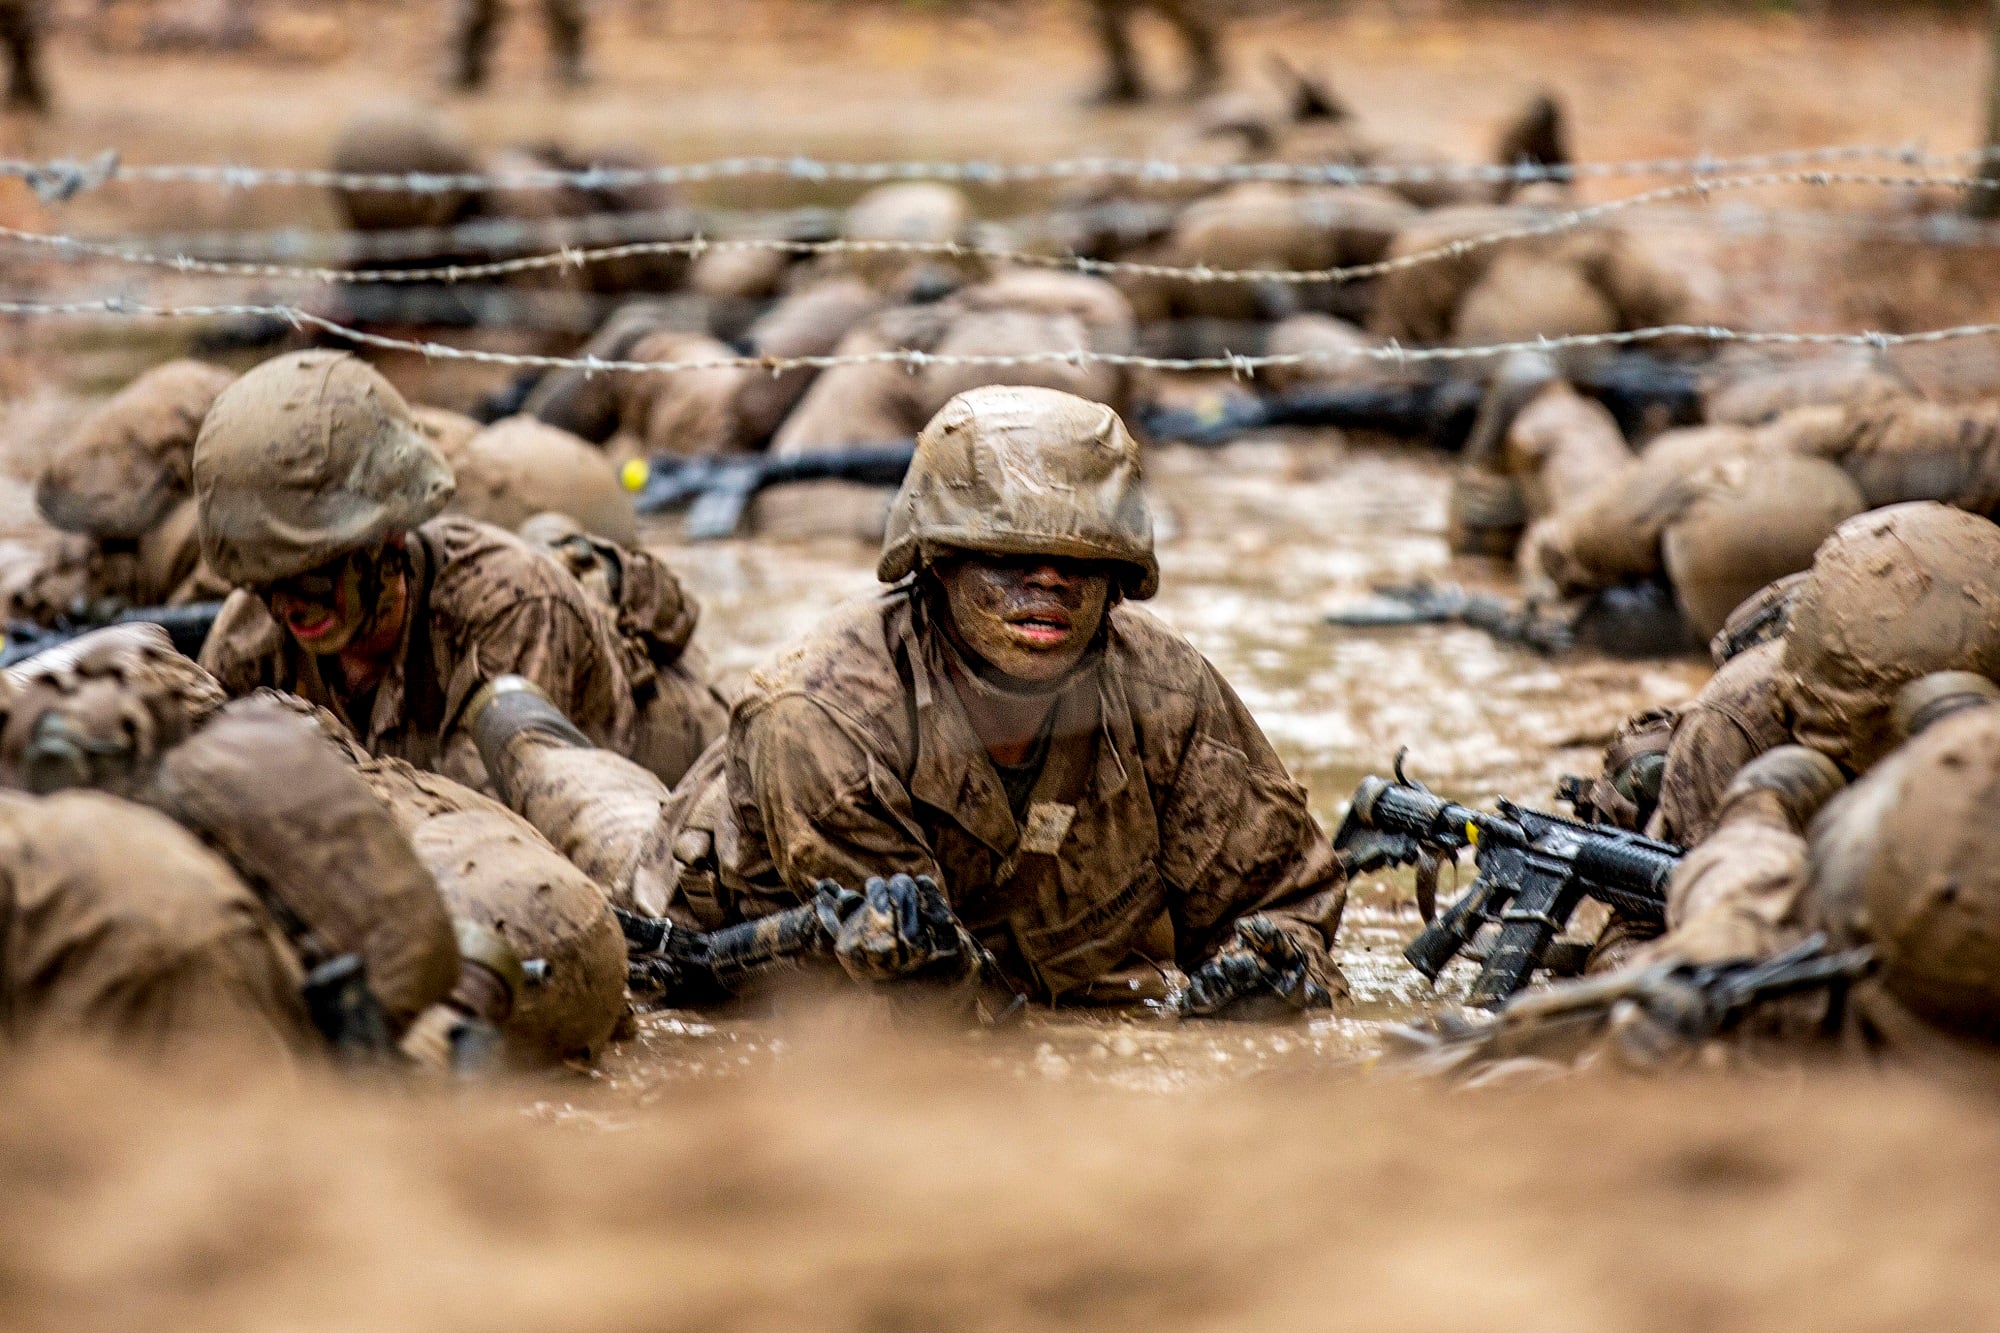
{"type": "Point", "coordinates": [953, 771]}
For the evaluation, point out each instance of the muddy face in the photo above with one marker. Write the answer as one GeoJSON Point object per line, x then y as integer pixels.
{"type": "Point", "coordinates": [322, 609]}
{"type": "Point", "coordinates": [1030, 618]}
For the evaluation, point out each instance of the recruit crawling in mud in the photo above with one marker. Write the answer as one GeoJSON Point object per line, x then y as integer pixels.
{"type": "Point", "coordinates": [318, 498]}
{"type": "Point", "coordinates": [1033, 772]}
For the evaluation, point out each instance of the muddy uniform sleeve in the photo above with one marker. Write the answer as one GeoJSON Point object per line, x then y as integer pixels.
{"type": "Point", "coordinates": [829, 804]}
{"type": "Point", "coordinates": [1236, 837]}
{"type": "Point", "coordinates": [1732, 721]}
{"type": "Point", "coordinates": [553, 643]}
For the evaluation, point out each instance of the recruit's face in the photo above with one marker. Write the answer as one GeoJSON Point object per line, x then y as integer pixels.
{"type": "Point", "coordinates": [1030, 618]}
{"type": "Point", "coordinates": [323, 608]}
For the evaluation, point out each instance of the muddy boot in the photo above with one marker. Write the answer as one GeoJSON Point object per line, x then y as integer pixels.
{"type": "Point", "coordinates": [567, 27]}
{"type": "Point", "coordinates": [1122, 85]}
{"type": "Point", "coordinates": [472, 43]}
{"type": "Point", "coordinates": [599, 809]}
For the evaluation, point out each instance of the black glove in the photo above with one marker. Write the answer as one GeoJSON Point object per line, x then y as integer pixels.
{"type": "Point", "coordinates": [1260, 960]}
{"type": "Point", "coordinates": [897, 928]}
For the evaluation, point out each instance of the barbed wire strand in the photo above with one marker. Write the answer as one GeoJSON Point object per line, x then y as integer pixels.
{"type": "Point", "coordinates": [57, 180]}
{"type": "Point", "coordinates": [915, 360]}
{"type": "Point", "coordinates": [306, 246]}
{"type": "Point", "coordinates": [570, 257]}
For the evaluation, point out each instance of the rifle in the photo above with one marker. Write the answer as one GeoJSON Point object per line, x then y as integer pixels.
{"type": "Point", "coordinates": [1643, 393]}
{"type": "Point", "coordinates": [680, 968]}
{"type": "Point", "coordinates": [1628, 620]}
{"type": "Point", "coordinates": [187, 626]}
{"type": "Point", "coordinates": [1682, 1003]}
{"type": "Point", "coordinates": [1534, 870]}
{"type": "Point", "coordinates": [718, 488]}
{"type": "Point", "coordinates": [1440, 411]}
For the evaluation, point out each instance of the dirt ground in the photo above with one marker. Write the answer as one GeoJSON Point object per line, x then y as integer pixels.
{"type": "Point", "coordinates": [864, 1187]}
{"type": "Point", "coordinates": [807, 1170]}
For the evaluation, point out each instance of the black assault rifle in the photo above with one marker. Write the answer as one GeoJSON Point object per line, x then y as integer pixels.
{"type": "Point", "coordinates": [672, 967]}
{"type": "Point", "coordinates": [187, 626]}
{"type": "Point", "coordinates": [1639, 619]}
{"type": "Point", "coordinates": [1534, 870]}
{"type": "Point", "coordinates": [1643, 393]}
{"type": "Point", "coordinates": [718, 488]}
{"type": "Point", "coordinates": [1683, 1006]}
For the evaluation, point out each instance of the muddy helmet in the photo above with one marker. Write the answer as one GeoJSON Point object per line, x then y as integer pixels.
{"type": "Point", "coordinates": [1906, 861]}
{"type": "Point", "coordinates": [306, 458]}
{"type": "Point", "coordinates": [1011, 470]}
{"type": "Point", "coordinates": [1894, 594]}
{"type": "Point", "coordinates": [127, 465]}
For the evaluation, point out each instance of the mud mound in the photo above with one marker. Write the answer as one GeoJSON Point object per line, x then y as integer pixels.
{"type": "Point", "coordinates": [864, 1188]}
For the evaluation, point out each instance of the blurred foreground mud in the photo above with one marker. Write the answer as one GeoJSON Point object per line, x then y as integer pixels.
{"type": "Point", "coordinates": [863, 1186]}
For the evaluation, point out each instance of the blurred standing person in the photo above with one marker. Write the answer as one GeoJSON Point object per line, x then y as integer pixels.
{"type": "Point", "coordinates": [1198, 31]}
{"type": "Point", "coordinates": [478, 23]}
{"type": "Point", "coordinates": [22, 23]}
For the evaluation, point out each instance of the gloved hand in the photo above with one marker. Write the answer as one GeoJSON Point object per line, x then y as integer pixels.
{"type": "Point", "coordinates": [1259, 960]}
{"type": "Point", "coordinates": [897, 928]}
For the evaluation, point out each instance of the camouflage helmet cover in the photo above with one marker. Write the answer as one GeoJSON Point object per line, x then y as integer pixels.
{"type": "Point", "coordinates": [306, 458]}
{"type": "Point", "coordinates": [1010, 470]}
{"type": "Point", "coordinates": [1894, 594]}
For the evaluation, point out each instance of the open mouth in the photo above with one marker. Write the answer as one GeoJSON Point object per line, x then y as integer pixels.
{"type": "Point", "coordinates": [310, 625]}
{"type": "Point", "coordinates": [1041, 628]}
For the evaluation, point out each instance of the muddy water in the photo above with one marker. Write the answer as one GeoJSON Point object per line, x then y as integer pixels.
{"type": "Point", "coordinates": [1257, 542]}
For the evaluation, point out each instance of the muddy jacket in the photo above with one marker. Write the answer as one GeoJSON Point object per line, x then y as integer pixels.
{"type": "Point", "coordinates": [1160, 816]}
{"type": "Point", "coordinates": [483, 603]}
{"type": "Point", "coordinates": [1736, 717]}
{"type": "Point", "coordinates": [89, 949]}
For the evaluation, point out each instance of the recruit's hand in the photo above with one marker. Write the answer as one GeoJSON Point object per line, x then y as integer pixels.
{"type": "Point", "coordinates": [1259, 960]}
{"type": "Point", "coordinates": [900, 927]}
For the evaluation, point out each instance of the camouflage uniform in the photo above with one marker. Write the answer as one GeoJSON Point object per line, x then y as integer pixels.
{"type": "Point", "coordinates": [305, 865]}
{"type": "Point", "coordinates": [1894, 594]}
{"type": "Point", "coordinates": [180, 954]}
{"type": "Point", "coordinates": [486, 604]}
{"type": "Point", "coordinates": [1159, 819]}
{"type": "Point", "coordinates": [1900, 861]}
{"type": "Point", "coordinates": [1704, 508]}
{"type": "Point", "coordinates": [279, 496]}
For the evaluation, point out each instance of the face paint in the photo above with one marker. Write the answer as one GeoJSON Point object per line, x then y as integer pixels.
{"type": "Point", "coordinates": [324, 608]}
{"type": "Point", "coordinates": [1029, 618]}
